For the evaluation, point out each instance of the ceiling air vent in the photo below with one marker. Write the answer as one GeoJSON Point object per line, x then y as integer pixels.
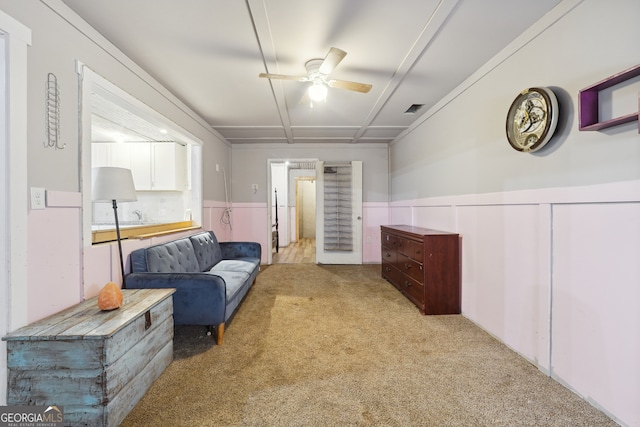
{"type": "Point", "coordinates": [414, 108]}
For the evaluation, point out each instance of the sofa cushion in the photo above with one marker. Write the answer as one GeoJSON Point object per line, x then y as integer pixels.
{"type": "Point", "coordinates": [245, 265]}
{"type": "Point", "coordinates": [234, 280]}
{"type": "Point", "coordinates": [173, 257]}
{"type": "Point", "coordinates": [139, 261]}
{"type": "Point", "coordinates": [207, 249]}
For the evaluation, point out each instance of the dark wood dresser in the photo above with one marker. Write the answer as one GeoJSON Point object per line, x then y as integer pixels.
{"type": "Point", "coordinates": [424, 265]}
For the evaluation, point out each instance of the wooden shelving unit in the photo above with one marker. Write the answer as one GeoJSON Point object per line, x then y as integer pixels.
{"type": "Point", "coordinates": [588, 99]}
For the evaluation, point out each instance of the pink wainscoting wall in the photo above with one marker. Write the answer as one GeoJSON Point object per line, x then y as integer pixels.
{"type": "Point", "coordinates": [54, 255]}
{"type": "Point", "coordinates": [214, 218]}
{"type": "Point", "coordinates": [100, 266]}
{"type": "Point", "coordinates": [399, 213]}
{"type": "Point", "coordinates": [374, 214]}
{"type": "Point", "coordinates": [249, 222]}
{"type": "Point", "coordinates": [102, 263]}
{"type": "Point", "coordinates": [552, 273]}
{"type": "Point", "coordinates": [61, 274]}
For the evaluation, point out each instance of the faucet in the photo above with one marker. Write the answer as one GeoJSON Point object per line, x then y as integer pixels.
{"type": "Point", "coordinates": [138, 213]}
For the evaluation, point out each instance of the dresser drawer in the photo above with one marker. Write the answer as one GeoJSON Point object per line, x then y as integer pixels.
{"type": "Point", "coordinates": [389, 256]}
{"type": "Point", "coordinates": [390, 272]}
{"type": "Point", "coordinates": [401, 245]}
{"type": "Point", "coordinates": [413, 288]}
{"type": "Point", "coordinates": [415, 250]}
{"type": "Point", "coordinates": [410, 248]}
{"type": "Point", "coordinates": [389, 240]}
{"type": "Point", "coordinates": [411, 267]}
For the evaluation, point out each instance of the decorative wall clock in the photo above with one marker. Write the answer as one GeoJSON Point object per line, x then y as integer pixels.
{"type": "Point", "coordinates": [532, 119]}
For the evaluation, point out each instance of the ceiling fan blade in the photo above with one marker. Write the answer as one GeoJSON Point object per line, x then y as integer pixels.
{"type": "Point", "coordinates": [284, 77]}
{"type": "Point", "coordinates": [358, 87]}
{"type": "Point", "coordinates": [305, 100]}
{"type": "Point", "coordinates": [332, 60]}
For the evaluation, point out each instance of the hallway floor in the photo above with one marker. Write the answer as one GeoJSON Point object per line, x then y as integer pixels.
{"type": "Point", "coordinates": [301, 252]}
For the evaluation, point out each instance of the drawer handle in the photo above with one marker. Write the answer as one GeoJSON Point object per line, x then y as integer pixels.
{"type": "Point", "coordinates": [408, 284]}
{"type": "Point", "coordinates": [407, 266]}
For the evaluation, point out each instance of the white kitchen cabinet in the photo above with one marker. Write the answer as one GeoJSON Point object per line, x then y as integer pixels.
{"type": "Point", "coordinates": [169, 167]}
{"type": "Point", "coordinates": [141, 166]}
{"type": "Point", "coordinates": [121, 155]}
{"type": "Point", "coordinates": [157, 166]}
{"type": "Point", "coordinates": [110, 154]}
{"type": "Point", "coordinates": [100, 155]}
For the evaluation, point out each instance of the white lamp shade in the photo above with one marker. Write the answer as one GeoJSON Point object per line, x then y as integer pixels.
{"type": "Point", "coordinates": [109, 183]}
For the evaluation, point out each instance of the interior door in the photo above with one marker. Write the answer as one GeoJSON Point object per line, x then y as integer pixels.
{"type": "Point", "coordinates": [339, 212]}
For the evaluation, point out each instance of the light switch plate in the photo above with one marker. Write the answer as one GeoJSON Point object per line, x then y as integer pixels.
{"type": "Point", "coordinates": [38, 198]}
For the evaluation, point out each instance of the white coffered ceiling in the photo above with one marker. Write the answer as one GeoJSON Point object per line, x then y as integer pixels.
{"type": "Point", "coordinates": [209, 54]}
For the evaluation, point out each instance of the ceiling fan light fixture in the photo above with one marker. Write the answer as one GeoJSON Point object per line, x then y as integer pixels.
{"type": "Point", "coordinates": [318, 92]}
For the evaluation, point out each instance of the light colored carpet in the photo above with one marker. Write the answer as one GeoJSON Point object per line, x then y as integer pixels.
{"type": "Point", "coordinates": [339, 346]}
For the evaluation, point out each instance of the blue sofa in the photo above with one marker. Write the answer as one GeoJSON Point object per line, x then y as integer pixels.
{"type": "Point", "coordinates": [211, 278]}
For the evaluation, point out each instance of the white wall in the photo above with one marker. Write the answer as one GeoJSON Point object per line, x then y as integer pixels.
{"type": "Point", "coordinates": [595, 339]}
{"type": "Point", "coordinates": [550, 239]}
{"type": "Point", "coordinates": [461, 148]}
{"type": "Point", "coordinates": [280, 183]}
{"type": "Point", "coordinates": [306, 189]}
{"type": "Point", "coordinates": [5, 301]}
{"type": "Point", "coordinates": [307, 199]}
{"type": "Point", "coordinates": [15, 38]}
{"type": "Point", "coordinates": [59, 39]}
{"type": "Point", "coordinates": [250, 166]}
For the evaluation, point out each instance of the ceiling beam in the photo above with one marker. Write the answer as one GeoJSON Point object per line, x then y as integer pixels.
{"type": "Point", "coordinates": [262, 31]}
{"type": "Point", "coordinates": [422, 42]}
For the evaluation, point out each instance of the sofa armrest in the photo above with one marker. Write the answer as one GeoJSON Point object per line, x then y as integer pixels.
{"type": "Point", "coordinates": [235, 250]}
{"type": "Point", "coordinates": [200, 298]}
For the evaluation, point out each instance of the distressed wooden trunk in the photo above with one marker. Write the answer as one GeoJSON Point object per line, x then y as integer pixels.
{"type": "Point", "coordinates": [97, 364]}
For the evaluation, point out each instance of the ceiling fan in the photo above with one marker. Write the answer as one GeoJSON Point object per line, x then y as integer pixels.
{"type": "Point", "coordinates": [318, 71]}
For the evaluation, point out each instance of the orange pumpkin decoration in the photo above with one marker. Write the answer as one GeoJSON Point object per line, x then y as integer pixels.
{"type": "Point", "coordinates": [110, 297]}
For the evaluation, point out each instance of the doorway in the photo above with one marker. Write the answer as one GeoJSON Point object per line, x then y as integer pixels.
{"type": "Point", "coordinates": [4, 224]}
{"type": "Point", "coordinates": [339, 208]}
{"type": "Point", "coordinates": [337, 211]}
{"type": "Point", "coordinates": [292, 183]}
{"type": "Point", "coordinates": [14, 41]}
{"type": "Point", "coordinates": [305, 209]}
{"type": "Point", "coordinates": [302, 246]}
